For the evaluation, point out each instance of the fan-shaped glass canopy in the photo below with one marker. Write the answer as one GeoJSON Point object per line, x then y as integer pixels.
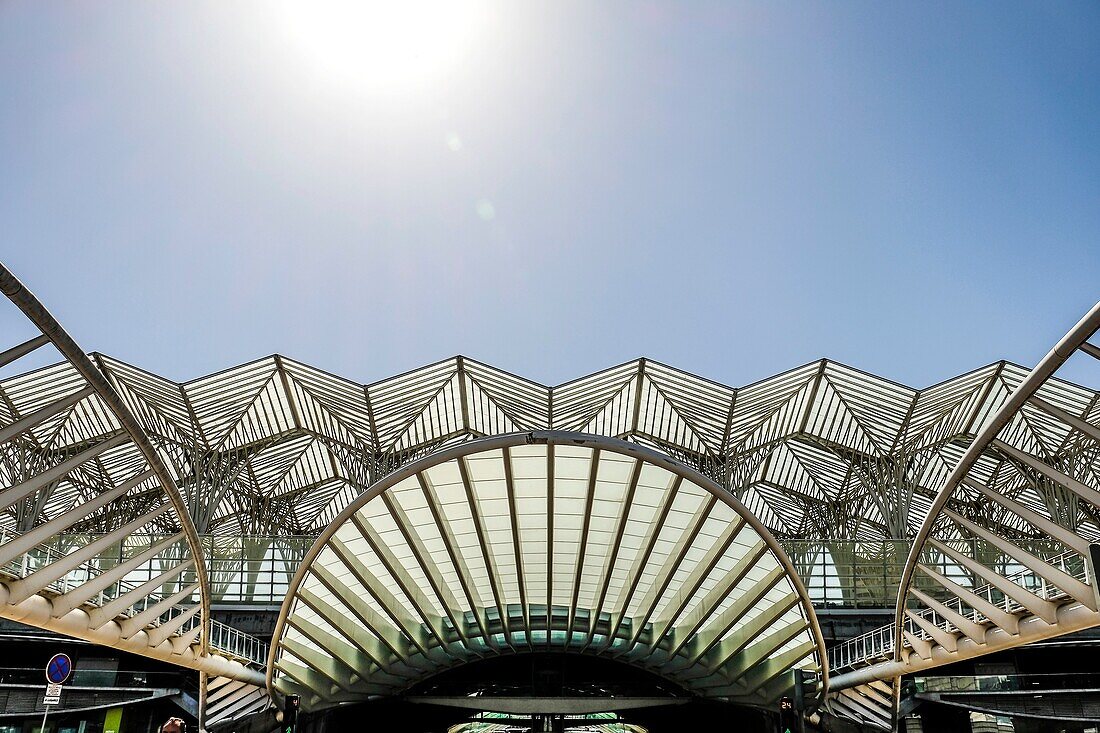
{"type": "Point", "coordinates": [544, 541]}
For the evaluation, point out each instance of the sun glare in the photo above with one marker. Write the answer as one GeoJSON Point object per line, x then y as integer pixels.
{"type": "Point", "coordinates": [387, 45]}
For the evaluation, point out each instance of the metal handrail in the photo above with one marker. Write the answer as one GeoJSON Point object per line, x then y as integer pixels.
{"type": "Point", "coordinates": [224, 639]}
{"type": "Point", "coordinates": [880, 643]}
{"type": "Point", "coordinates": [235, 643]}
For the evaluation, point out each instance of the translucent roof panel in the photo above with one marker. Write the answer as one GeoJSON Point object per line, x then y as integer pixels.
{"type": "Point", "coordinates": [823, 451]}
{"type": "Point", "coordinates": [548, 541]}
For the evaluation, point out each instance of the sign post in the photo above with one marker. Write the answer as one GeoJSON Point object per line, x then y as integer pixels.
{"type": "Point", "coordinates": [290, 713]}
{"type": "Point", "coordinates": [786, 715]}
{"type": "Point", "coordinates": [58, 671]}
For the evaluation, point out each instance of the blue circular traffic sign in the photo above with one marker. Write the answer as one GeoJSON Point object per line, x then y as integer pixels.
{"type": "Point", "coordinates": [59, 668]}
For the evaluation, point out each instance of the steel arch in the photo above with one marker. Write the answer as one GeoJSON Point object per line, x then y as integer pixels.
{"type": "Point", "coordinates": [117, 470]}
{"type": "Point", "coordinates": [962, 599]}
{"type": "Point", "coordinates": [402, 634]}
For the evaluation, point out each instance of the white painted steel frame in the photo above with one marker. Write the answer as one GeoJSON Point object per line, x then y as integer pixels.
{"type": "Point", "coordinates": [823, 451]}
{"type": "Point", "coordinates": [115, 475]}
{"type": "Point", "coordinates": [424, 572]}
{"type": "Point", "coordinates": [1010, 470]}
{"type": "Point", "coordinates": [276, 446]}
{"type": "Point", "coordinates": [820, 451]}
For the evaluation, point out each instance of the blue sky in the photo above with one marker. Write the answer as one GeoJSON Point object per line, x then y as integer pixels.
{"type": "Point", "coordinates": [734, 189]}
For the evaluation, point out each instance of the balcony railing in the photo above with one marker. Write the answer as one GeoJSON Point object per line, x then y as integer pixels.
{"type": "Point", "coordinates": [223, 638]}
{"type": "Point", "coordinates": [257, 571]}
{"type": "Point", "coordinates": [879, 644]}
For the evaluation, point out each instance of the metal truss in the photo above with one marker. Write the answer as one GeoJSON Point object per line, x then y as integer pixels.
{"type": "Point", "coordinates": [230, 700]}
{"type": "Point", "coordinates": [1003, 556]}
{"type": "Point", "coordinates": [276, 447]}
{"type": "Point", "coordinates": [544, 541]}
{"type": "Point", "coordinates": [994, 472]}
{"type": "Point", "coordinates": [72, 456]}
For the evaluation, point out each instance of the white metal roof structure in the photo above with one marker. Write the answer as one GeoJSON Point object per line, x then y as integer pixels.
{"type": "Point", "coordinates": [992, 475]}
{"type": "Point", "coordinates": [544, 541]}
{"type": "Point", "coordinates": [73, 454]}
{"type": "Point", "coordinates": [278, 447]}
{"type": "Point", "coordinates": [1004, 557]}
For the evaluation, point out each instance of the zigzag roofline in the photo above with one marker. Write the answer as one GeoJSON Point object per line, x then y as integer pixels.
{"type": "Point", "coordinates": [798, 446]}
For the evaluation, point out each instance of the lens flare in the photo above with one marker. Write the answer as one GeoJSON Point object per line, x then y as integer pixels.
{"type": "Point", "coordinates": [384, 45]}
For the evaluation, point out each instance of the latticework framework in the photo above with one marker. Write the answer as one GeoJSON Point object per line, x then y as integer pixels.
{"type": "Point", "coordinates": [1007, 553]}
{"type": "Point", "coordinates": [109, 474]}
{"type": "Point", "coordinates": [823, 451]}
{"type": "Point", "coordinates": [72, 457]}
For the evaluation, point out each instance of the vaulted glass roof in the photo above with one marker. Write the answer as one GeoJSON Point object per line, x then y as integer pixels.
{"type": "Point", "coordinates": [547, 541]}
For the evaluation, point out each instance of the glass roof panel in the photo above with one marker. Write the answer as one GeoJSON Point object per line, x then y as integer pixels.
{"type": "Point", "coordinates": [644, 540]}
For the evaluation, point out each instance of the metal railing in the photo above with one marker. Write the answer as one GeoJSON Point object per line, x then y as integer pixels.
{"type": "Point", "coordinates": [223, 638]}
{"type": "Point", "coordinates": [873, 645]}
{"type": "Point", "coordinates": [1008, 682]}
{"type": "Point", "coordinates": [43, 556]}
{"type": "Point", "coordinates": [235, 643]}
{"type": "Point", "coordinates": [879, 644]}
{"type": "Point", "coordinates": [257, 570]}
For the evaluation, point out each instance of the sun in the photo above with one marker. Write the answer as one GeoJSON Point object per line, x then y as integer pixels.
{"type": "Point", "coordinates": [384, 45]}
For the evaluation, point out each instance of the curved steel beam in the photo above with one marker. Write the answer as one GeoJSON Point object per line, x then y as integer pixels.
{"type": "Point", "coordinates": [33, 309]}
{"type": "Point", "coordinates": [740, 650]}
{"type": "Point", "coordinates": [1038, 376]}
{"type": "Point", "coordinates": [973, 606]}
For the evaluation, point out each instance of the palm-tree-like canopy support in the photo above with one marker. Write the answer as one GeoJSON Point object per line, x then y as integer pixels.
{"type": "Point", "coordinates": [824, 451]}
{"type": "Point", "coordinates": [993, 472]}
